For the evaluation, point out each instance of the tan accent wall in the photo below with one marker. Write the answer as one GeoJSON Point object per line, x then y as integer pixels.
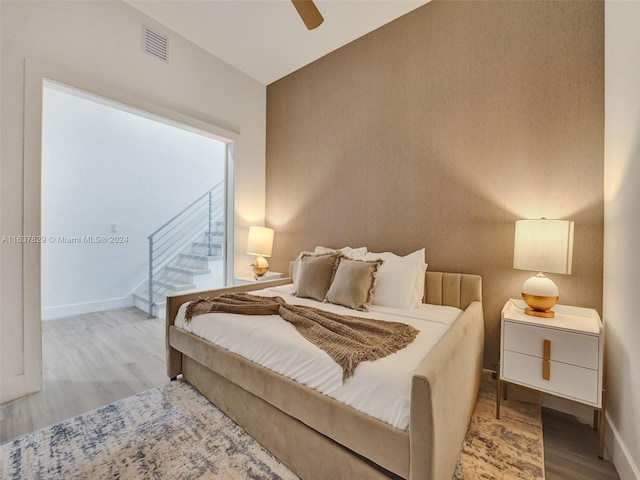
{"type": "Point", "coordinates": [439, 130]}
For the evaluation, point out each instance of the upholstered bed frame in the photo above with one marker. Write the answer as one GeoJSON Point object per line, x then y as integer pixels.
{"type": "Point", "coordinates": [320, 438]}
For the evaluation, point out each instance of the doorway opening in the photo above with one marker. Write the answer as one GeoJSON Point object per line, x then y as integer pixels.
{"type": "Point", "coordinates": [106, 186]}
{"type": "Point", "coordinates": [134, 206]}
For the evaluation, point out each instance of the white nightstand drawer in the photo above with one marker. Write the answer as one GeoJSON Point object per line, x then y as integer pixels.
{"type": "Point", "coordinates": [566, 347]}
{"type": "Point", "coordinates": [567, 381]}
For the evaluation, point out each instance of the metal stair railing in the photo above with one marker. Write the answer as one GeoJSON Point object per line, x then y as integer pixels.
{"type": "Point", "coordinates": [174, 235]}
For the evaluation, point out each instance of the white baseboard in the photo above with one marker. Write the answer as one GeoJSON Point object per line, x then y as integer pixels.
{"type": "Point", "coordinates": [617, 452]}
{"type": "Point", "coordinates": [63, 311]}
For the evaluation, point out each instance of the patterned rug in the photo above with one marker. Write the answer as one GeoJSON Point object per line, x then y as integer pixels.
{"type": "Point", "coordinates": [168, 432]}
{"type": "Point", "coordinates": [173, 432]}
{"type": "Point", "coordinates": [509, 448]}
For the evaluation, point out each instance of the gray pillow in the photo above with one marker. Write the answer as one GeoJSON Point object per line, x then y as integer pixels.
{"type": "Point", "coordinates": [314, 275]}
{"type": "Point", "coordinates": [353, 283]}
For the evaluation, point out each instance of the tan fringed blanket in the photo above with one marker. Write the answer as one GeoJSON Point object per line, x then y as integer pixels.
{"type": "Point", "coordinates": [347, 340]}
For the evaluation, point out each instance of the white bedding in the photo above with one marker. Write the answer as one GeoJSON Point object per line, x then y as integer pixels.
{"type": "Point", "coordinates": [381, 388]}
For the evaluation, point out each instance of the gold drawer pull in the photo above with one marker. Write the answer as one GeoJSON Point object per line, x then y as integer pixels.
{"type": "Point", "coordinates": [546, 357]}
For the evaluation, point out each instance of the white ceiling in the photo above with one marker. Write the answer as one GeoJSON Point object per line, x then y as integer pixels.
{"type": "Point", "coordinates": [266, 39]}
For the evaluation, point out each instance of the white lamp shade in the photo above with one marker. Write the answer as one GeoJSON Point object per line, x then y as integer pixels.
{"type": "Point", "coordinates": [260, 241]}
{"type": "Point", "coordinates": [543, 246]}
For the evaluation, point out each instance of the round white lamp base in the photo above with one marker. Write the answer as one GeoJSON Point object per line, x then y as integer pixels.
{"type": "Point", "coordinates": [541, 294]}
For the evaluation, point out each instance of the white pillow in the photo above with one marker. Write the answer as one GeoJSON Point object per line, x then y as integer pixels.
{"type": "Point", "coordinates": [353, 253]}
{"type": "Point", "coordinates": [400, 280]}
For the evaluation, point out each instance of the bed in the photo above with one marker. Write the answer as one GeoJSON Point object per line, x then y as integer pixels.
{"type": "Point", "coordinates": [319, 436]}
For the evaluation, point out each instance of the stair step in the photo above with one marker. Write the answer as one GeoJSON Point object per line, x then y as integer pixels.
{"type": "Point", "coordinates": [166, 283]}
{"type": "Point", "coordinates": [188, 270]}
{"type": "Point", "coordinates": [203, 248]}
{"type": "Point", "coordinates": [160, 301]}
{"type": "Point", "coordinates": [142, 302]}
{"type": "Point", "coordinates": [196, 256]}
{"type": "Point", "coordinates": [206, 244]}
{"type": "Point", "coordinates": [219, 227]}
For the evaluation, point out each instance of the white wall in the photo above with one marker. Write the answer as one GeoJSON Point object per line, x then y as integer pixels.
{"type": "Point", "coordinates": [103, 166]}
{"type": "Point", "coordinates": [622, 232]}
{"type": "Point", "coordinates": [96, 46]}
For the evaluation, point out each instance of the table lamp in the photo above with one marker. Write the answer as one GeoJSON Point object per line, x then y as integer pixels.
{"type": "Point", "coordinates": [259, 243]}
{"type": "Point", "coordinates": [542, 246]}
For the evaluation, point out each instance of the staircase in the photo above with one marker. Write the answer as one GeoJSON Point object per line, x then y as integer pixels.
{"type": "Point", "coordinates": [186, 253]}
{"type": "Point", "coordinates": [191, 269]}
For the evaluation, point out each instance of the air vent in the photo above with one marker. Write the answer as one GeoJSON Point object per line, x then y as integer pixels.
{"type": "Point", "coordinates": [155, 44]}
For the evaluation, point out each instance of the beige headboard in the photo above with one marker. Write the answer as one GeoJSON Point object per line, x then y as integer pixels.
{"type": "Point", "coordinates": [452, 289]}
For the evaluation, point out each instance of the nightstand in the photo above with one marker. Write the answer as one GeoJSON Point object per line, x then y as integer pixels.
{"type": "Point", "coordinates": [251, 279]}
{"type": "Point", "coordinates": [561, 356]}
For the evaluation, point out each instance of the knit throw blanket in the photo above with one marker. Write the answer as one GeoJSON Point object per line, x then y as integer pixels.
{"type": "Point", "coordinates": [347, 340]}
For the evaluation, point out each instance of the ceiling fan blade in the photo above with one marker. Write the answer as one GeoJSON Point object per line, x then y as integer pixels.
{"type": "Point", "coordinates": [309, 13]}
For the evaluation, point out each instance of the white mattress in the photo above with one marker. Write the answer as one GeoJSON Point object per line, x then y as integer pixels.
{"type": "Point", "coordinates": [381, 388]}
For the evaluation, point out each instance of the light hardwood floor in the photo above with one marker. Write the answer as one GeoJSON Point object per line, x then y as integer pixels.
{"type": "Point", "coordinates": [571, 449]}
{"type": "Point", "coordinates": [96, 359]}
{"type": "Point", "coordinates": [89, 361]}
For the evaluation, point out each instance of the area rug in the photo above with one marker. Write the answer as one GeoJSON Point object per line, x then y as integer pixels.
{"type": "Point", "coordinates": [169, 432]}
{"type": "Point", "coordinates": [509, 448]}
{"type": "Point", "coordinates": [173, 432]}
